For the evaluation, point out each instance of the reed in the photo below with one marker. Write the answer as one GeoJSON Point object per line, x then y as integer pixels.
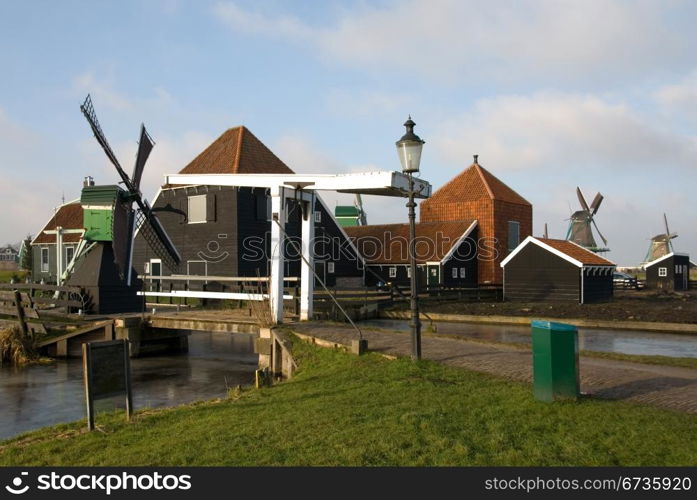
{"type": "Point", "coordinates": [17, 349]}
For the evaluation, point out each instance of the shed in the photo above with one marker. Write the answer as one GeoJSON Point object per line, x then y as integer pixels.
{"type": "Point", "coordinates": [670, 272]}
{"type": "Point", "coordinates": [556, 270]}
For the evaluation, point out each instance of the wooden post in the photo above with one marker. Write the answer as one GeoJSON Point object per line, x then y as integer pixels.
{"type": "Point", "coordinates": [127, 367]}
{"type": "Point", "coordinates": [171, 286]}
{"type": "Point", "coordinates": [20, 314]}
{"type": "Point", "coordinates": [87, 377]}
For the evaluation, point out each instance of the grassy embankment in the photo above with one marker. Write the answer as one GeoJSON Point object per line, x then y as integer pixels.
{"type": "Point", "coordinates": [345, 410]}
{"type": "Point", "coordinates": [6, 276]}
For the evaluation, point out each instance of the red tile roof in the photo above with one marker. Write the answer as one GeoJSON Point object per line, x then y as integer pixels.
{"type": "Point", "coordinates": [389, 243]}
{"type": "Point", "coordinates": [68, 216]}
{"type": "Point", "coordinates": [473, 184]}
{"type": "Point", "coordinates": [236, 151]}
{"type": "Point", "coordinates": [586, 257]}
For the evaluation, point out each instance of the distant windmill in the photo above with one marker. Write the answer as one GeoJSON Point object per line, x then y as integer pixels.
{"type": "Point", "coordinates": [546, 235]}
{"type": "Point", "coordinates": [661, 244]}
{"type": "Point", "coordinates": [580, 230]}
{"type": "Point", "coordinates": [103, 261]}
{"type": "Point", "coordinates": [349, 216]}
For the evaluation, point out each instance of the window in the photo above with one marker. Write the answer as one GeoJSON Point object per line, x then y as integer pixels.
{"type": "Point", "coordinates": [454, 272]}
{"type": "Point", "coordinates": [663, 271]}
{"type": "Point", "coordinates": [330, 267]}
{"type": "Point", "coordinates": [263, 207]}
{"type": "Point", "coordinates": [393, 270]}
{"type": "Point", "coordinates": [44, 260]}
{"type": "Point", "coordinates": [318, 216]}
{"type": "Point", "coordinates": [463, 272]}
{"type": "Point", "coordinates": [513, 234]}
{"type": "Point", "coordinates": [69, 253]}
{"type": "Point", "coordinates": [197, 209]}
{"type": "Point", "coordinates": [677, 269]}
{"type": "Point", "coordinates": [146, 268]}
{"type": "Point", "coordinates": [409, 272]}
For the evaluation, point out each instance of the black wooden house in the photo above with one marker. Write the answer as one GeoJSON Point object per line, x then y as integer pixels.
{"type": "Point", "coordinates": [446, 253]}
{"type": "Point", "coordinates": [556, 270]}
{"type": "Point", "coordinates": [670, 272]}
{"type": "Point", "coordinates": [225, 231]}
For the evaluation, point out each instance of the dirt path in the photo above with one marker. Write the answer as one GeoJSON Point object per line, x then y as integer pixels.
{"type": "Point", "coordinates": [662, 386]}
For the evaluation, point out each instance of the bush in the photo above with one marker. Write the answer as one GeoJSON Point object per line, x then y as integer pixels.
{"type": "Point", "coordinates": [17, 349]}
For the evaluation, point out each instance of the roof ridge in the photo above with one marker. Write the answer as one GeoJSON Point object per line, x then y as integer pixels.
{"type": "Point", "coordinates": [238, 153]}
{"type": "Point", "coordinates": [479, 170]}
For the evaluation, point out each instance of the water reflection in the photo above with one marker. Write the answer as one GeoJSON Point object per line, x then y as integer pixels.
{"type": "Point", "coordinates": [37, 396]}
{"type": "Point", "coordinates": [620, 341]}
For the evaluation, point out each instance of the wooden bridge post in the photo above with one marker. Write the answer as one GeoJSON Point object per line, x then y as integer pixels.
{"type": "Point", "coordinates": [20, 314]}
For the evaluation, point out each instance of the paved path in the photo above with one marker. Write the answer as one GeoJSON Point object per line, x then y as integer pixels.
{"type": "Point", "coordinates": [663, 386]}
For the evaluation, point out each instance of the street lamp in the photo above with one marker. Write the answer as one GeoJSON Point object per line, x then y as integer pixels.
{"type": "Point", "coordinates": [409, 150]}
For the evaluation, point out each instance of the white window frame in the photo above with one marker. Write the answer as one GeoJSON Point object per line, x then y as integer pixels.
{"type": "Point", "coordinates": [392, 271]}
{"type": "Point", "coordinates": [678, 269]}
{"type": "Point", "coordinates": [318, 216]}
{"type": "Point", "coordinates": [197, 197]}
{"type": "Point", "coordinates": [463, 272]}
{"type": "Point", "coordinates": [409, 272]}
{"type": "Point", "coordinates": [45, 266]}
{"type": "Point", "coordinates": [455, 272]}
{"type": "Point", "coordinates": [330, 267]}
{"type": "Point", "coordinates": [67, 260]}
{"type": "Point", "coordinates": [662, 272]}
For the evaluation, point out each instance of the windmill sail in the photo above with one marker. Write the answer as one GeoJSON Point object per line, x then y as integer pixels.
{"type": "Point", "coordinates": [145, 146]}
{"type": "Point", "coordinates": [661, 244]}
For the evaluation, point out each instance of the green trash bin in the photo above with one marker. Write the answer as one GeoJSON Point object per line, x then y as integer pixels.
{"type": "Point", "coordinates": [554, 361]}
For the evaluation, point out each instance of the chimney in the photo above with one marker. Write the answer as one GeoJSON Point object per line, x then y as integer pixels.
{"type": "Point", "coordinates": [88, 182]}
{"type": "Point", "coordinates": [476, 159]}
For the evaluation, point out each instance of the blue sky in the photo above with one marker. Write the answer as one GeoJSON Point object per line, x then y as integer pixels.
{"type": "Point", "coordinates": [550, 94]}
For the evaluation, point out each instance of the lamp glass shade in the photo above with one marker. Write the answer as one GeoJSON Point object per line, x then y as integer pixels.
{"type": "Point", "coordinates": [409, 155]}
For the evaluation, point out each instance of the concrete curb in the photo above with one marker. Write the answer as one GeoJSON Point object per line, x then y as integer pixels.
{"type": "Point", "coordinates": [685, 328]}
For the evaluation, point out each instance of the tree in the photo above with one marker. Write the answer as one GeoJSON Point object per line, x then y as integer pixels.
{"type": "Point", "coordinates": [25, 254]}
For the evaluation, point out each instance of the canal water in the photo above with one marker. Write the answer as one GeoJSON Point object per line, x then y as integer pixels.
{"type": "Point", "coordinates": [589, 339]}
{"type": "Point", "coordinates": [37, 396]}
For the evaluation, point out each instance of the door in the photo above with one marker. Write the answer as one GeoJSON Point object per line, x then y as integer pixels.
{"type": "Point", "coordinates": [155, 270]}
{"type": "Point", "coordinates": [433, 276]}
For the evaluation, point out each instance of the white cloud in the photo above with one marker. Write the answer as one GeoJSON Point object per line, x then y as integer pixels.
{"type": "Point", "coordinates": [555, 130]}
{"type": "Point", "coordinates": [680, 98]}
{"type": "Point", "coordinates": [366, 103]}
{"type": "Point", "coordinates": [455, 40]}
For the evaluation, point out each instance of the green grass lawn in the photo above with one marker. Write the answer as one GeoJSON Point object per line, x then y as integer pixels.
{"type": "Point", "coordinates": [346, 410]}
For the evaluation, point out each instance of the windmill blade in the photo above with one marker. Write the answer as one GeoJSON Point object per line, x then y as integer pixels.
{"type": "Point", "coordinates": [582, 200]}
{"type": "Point", "coordinates": [595, 205]}
{"type": "Point", "coordinates": [145, 146]}
{"type": "Point", "coordinates": [665, 220]}
{"type": "Point", "coordinates": [156, 237]}
{"type": "Point", "coordinates": [546, 236]}
{"type": "Point", "coordinates": [87, 109]}
{"type": "Point", "coordinates": [361, 212]}
{"type": "Point", "coordinates": [599, 233]}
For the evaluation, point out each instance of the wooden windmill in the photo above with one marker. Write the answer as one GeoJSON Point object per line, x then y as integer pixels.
{"type": "Point", "coordinates": [661, 244]}
{"type": "Point", "coordinates": [580, 230]}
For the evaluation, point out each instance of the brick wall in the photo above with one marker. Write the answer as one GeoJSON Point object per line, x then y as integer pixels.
{"type": "Point", "coordinates": [492, 217]}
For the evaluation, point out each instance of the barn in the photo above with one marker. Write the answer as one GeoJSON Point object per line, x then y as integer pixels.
{"type": "Point", "coordinates": [446, 253]}
{"type": "Point", "coordinates": [670, 272]}
{"type": "Point", "coordinates": [44, 247]}
{"type": "Point", "coordinates": [556, 270]}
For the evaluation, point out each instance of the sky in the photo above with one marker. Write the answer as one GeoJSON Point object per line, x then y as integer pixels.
{"type": "Point", "coordinates": [551, 94]}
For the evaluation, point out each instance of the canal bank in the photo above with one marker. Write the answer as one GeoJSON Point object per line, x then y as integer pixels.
{"type": "Point", "coordinates": [682, 328]}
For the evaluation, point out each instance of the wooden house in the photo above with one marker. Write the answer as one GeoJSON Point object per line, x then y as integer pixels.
{"type": "Point", "coordinates": [504, 217]}
{"type": "Point", "coordinates": [9, 258]}
{"type": "Point", "coordinates": [670, 272]}
{"type": "Point", "coordinates": [556, 270]}
{"type": "Point", "coordinates": [43, 246]}
{"type": "Point", "coordinates": [224, 231]}
{"type": "Point", "coordinates": [446, 253]}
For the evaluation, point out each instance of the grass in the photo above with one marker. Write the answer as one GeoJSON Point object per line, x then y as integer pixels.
{"type": "Point", "coordinates": [17, 349]}
{"type": "Point", "coordinates": [19, 276]}
{"type": "Point", "coordinates": [367, 411]}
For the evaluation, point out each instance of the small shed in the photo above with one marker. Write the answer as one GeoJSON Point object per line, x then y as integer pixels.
{"type": "Point", "coordinates": [542, 269]}
{"type": "Point", "coordinates": [670, 272]}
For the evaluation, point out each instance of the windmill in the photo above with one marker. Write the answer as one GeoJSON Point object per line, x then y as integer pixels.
{"type": "Point", "coordinates": [349, 216]}
{"type": "Point", "coordinates": [661, 244]}
{"type": "Point", "coordinates": [103, 261]}
{"type": "Point", "coordinates": [580, 230]}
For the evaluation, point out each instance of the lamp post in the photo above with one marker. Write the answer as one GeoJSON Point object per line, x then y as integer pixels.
{"type": "Point", "coordinates": [409, 150]}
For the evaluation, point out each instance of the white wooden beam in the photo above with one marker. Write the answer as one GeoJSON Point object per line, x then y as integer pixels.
{"type": "Point", "coordinates": [307, 264]}
{"type": "Point", "coordinates": [276, 267]}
